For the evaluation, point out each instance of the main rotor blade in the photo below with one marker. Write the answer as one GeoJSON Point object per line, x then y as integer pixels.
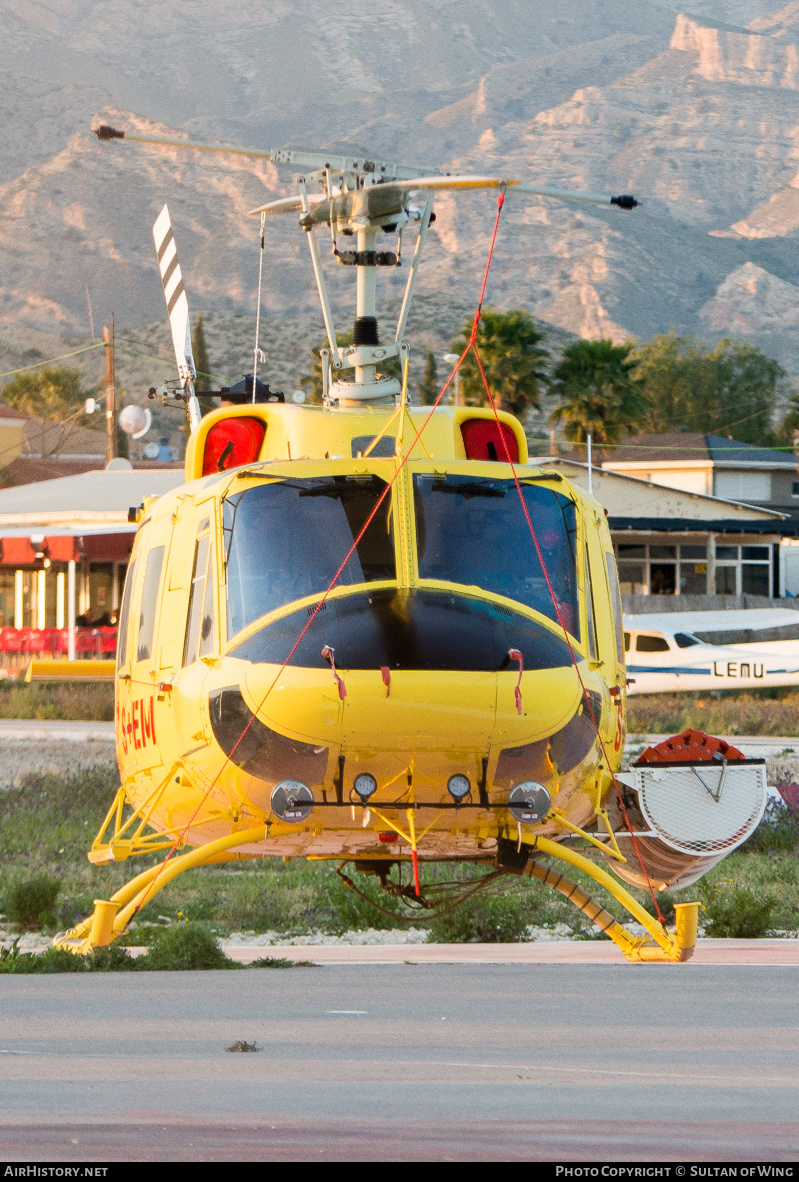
{"type": "Point", "coordinates": [300, 157]}
{"type": "Point", "coordinates": [104, 132]}
{"type": "Point", "coordinates": [387, 198]}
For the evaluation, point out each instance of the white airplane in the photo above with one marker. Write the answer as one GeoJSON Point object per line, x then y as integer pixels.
{"type": "Point", "coordinates": [663, 653]}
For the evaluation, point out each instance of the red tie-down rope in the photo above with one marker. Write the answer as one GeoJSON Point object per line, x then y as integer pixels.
{"type": "Point", "coordinates": [473, 346]}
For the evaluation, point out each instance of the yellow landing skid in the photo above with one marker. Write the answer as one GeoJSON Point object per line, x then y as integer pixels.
{"type": "Point", "coordinates": [111, 916]}
{"type": "Point", "coordinates": [41, 670]}
{"type": "Point", "coordinates": [663, 946]}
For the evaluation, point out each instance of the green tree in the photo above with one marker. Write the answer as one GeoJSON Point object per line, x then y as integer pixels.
{"type": "Point", "coordinates": [730, 389]}
{"type": "Point", "coordinates": [389, 368]}
{"type": "Point", "coordinates": [52, 395]}
{"type": "Point", "coordinates": [597, 391]}
{"type": "Point", "coordinates": [200, 351]}
{"type": "Point", "coordinates": [428, 387]}
{"type": "Point", "coordinates": [513, 358]}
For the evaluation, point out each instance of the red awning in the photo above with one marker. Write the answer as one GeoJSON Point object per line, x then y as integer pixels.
{"type": "Point", "coordinates": [105, 547]}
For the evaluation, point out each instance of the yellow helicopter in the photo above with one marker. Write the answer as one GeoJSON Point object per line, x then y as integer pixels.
{"type": "Point", "coordinates": [374, 632]}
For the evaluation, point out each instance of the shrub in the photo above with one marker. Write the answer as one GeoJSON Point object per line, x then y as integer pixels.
{"type": "Point", "coordinates": [735, 912]}
{"type": "Point", "coordinates": [185, 946]}
{"type": "Point", "coordinates": [779, 829]}
{"type": "Point", "coordinates": [29, 902]}
{"type": "Point", "coordinates": [53, 960]}
{"type": "Point", "coordinates": [485, 918]}
{"type": "Point", "coordinates": [59, 960]}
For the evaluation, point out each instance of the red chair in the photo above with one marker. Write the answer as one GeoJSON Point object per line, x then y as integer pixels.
{"type": "Point", "coordinates": [35, 641]}
{"type": "Point", "coordinates": [108, 642]}
{"type": "Point", "coordinates": [87, 642]}
{"type": "Point", "coordinates": [12, 641]}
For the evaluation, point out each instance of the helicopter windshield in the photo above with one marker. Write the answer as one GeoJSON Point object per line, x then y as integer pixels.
{"type": "Point", "coordinates": [287, 539]}
{"type": "Point", "coordinates": [473, 530]}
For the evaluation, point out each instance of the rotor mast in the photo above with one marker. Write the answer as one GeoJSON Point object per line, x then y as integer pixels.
{"type": "Point", "coordinates": [362, 198]}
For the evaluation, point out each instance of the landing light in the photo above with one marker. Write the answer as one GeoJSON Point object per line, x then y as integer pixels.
{"type": "Point", "coordinates": [529, 802]}
{"type": "Point", "coordinates": [458, 786]}
{"type": "Point", "coordinates": [365, 785]}
{"type": "Point", "coordinates": [292, 801]}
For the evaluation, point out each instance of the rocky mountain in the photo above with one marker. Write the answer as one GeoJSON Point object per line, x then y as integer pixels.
{"type": "Point", "coordinates": [697, 115]}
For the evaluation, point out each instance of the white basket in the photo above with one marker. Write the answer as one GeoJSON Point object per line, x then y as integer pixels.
{"type": "Point", "coordinates": [702, 808]}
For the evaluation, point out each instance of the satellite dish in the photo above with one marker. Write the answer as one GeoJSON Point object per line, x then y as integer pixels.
{"type": "Point", "coordinates": [135, 421]}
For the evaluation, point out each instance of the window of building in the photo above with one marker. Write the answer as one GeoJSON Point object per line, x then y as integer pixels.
{"type": "Point", "coordinates": [795, 489]}
{"type": "Point", "coordinates": [654, 569]}
{"type": "Point", "coordinates": [743, 486]}
{"type": "Point", "coordinates": [743, 570]}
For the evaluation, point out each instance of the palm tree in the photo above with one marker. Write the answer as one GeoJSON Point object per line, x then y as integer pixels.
{"type": "Point", "coordinates": [428, 387]}
{"type": "Point", "coordinates": [599, 394]}
{"type": "Point", "coordinates": [514, 361]}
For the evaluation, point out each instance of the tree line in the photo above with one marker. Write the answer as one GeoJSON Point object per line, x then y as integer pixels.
{"type": "Point", "coordinates": [609, 391]}
{"type": "Point", "coordinates": [612, 391]}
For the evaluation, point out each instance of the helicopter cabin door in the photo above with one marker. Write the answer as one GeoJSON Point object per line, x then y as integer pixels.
{"type": "Point", "coordinates": [138, 672]}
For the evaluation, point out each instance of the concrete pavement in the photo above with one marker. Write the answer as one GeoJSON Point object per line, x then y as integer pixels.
{"type": "Point", "coordinates": [404, 1062]}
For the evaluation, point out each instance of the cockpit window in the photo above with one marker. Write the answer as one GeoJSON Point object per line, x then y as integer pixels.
{"type": "Point", "coordinates": [684, 640]}
{"type": "Point", "coordinates": [287, 539]}
{"type": "Point", "coordinates": [651, 644]}
{"type": "Point", "coordinates": [474, 531]}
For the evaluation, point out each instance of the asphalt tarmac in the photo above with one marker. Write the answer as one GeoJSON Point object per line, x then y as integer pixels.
{"type": "Point", "coordinates": [403, 1062]}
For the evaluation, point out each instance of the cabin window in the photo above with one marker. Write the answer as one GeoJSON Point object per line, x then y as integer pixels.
{"type": "Point", "coordinates": [626, 642]}
{"type": "Point", "coordinates": [615, 603]}
{"type": "Point", "coordinates": [473, 531]}
{"type": "Point", "coordinates": [124, 615]}
{"type": "Point", "coordinates": [684, 640]}
{"type": "Point", "coordinates": [651, 644]}
{"type": "Point", "coordinates": [589, 609]}
{"type": "Point", "coordinates": [287, 539]}
{"type": "Point", "coordinates": [200, 625]}
{"type": "Point", "coordinates": [149, 602]}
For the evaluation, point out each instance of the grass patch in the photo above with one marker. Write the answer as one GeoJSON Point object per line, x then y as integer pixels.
{"type": "Point", "coordinates": [735, 911]}
{"type": "Point", "coordinates": [82, 702]}
{"type": "Point", "coordinates": [187, 946]}
{"type": "Point", "coordinates": [729, 712]}
{"type": "Point", "coordinates": [30, 902]}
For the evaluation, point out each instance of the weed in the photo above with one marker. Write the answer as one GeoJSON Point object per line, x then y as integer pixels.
{"type": "Point", "coordinates": [734, 712]}
{"type": "Point", "coordinates": [92, 703]}
{"type": "Point", "coordinates": [187, 946]}
{"type": "Point", "coordinates": [240, 1045]}
{"type": "Point", "coordinates": [779, 829]}
{"type": "Point", "coordinates": [29, 902]}
{"type": "Point", "coordinates": [273, 962]}
{"type": "Point", "coordinates": [53, 960]}
{"type": "Point", "coordinates": [735, 911]}
{"type": "Point", "coordinates": [486, 918]}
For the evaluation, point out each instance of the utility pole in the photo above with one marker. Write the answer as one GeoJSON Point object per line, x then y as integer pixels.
{"type": "Point", "coordinates": [110, 399]}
